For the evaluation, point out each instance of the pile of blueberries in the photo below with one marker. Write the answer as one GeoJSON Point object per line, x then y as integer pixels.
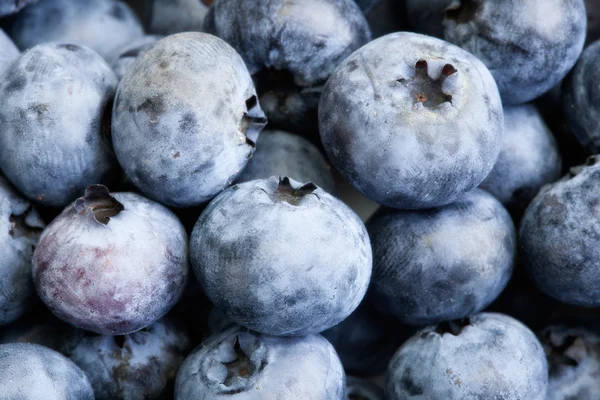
{"type": "Point", "coordinates": [181, 184]}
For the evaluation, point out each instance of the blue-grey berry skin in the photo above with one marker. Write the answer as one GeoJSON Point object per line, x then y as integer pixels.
{"type": "Point", "coordinates": [529, 159]}
{"type": "Point", "coordinates": [362, 389]}
{"type": "Point", "coordinates": [53, 141]}
{"type": "Point", "coordinates": [105, 26]}
{"type": "Point", "coordinates": [131, 265]}
{"type": "Point", "coordinates": [20, 228]}
{"type": "Point", "coordinates": [280, 257]}
{"type": "Point", "coordinates": [238, 364]}
{"type": "Point", "coordinates": [527, 45]}
{"type": "Point", "coordinates": [308, 39]}
{"type": "Point", "coordinates": [411, 121]}
{"type": "Point", "coordinates": [129, 53]}
{"type": "Point", "coordinates": [8, 51]}
{"type": "Point", "coordinates": [167, 17]}
{"type": "Point", "coordinates": [581, 99]}
{"type": "Point", "coordinates": [186, 119]}
{"type": "Point", "coordinates": [8, 7]}
{"type": "Point", "coordinates": [490, 356]}
{"type": "Point", "coordinates": [32, 372]}
{"type": "Point", "coordinates": [285, 154]}
{"type": "Point", "coordinates": [574, 362]}
{"type": "Point", "coordinates": [441, 264]}
{"type": "Point", "coordinates": [141, 365]}
{"type": "Point", "coordinates": [367, 340]}
{"type": "Point", "coordinates": [559, 239]}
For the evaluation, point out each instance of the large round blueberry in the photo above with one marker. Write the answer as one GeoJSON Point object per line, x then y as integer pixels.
{"type": "Point", "coordinates": [105, 26]}
{"type": "Point", "coordinates": [444, 263]}
{"type": "Point", "coordinates": [560, 240]}
{"type": "Point", "coordinates": [581, 99]}
{"type": "Point", "coordinates": [411, 121]}
{"type": "Point", "coordinates": [185, 119]}
{"type": "Point", "coordinates": [32, 372]}
{"type": "Point", "coordinates": [366, 340]}
{"type": "Point", "coordinates": [20, 228]}
{"type": "Point", "coordinates": [8, 7]}
{"type": "Point", "coordinates": [529, 158]}
{"type": "Point", "coordinates": [141, 365]}
{"type": "Point", "coordinates": [286, 154]}
{"type": "Point", "coordinates": [574, 362]}
{"type": "Point", "coordinates": [294, 45]}
{"type": "Point", "coordinates": [129, 53]}
{"type": "Point", "coordinates": [280, 257]}
{"type": "Point", "coordinates": [111, 264]}
{"type": "Point", "coordinates": [53, 141]}
{"type": "Point", "coordinates": [166, 17]}
{"type": "Point", "coordinates": [528, 45]}
{"type": "Point", "coordinates": [8, 51]}
{"type": "Point", "coordinates": [238, 364]}
{"type": "Point", "coordinates": [489, 356]}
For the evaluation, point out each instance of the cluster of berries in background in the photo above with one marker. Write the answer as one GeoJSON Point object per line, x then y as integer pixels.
{"type": "Point", "coordinates": [303, 200]}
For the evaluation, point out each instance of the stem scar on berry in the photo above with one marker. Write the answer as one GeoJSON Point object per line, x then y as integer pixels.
{"type": "Point", "coordinates": [98, 199]}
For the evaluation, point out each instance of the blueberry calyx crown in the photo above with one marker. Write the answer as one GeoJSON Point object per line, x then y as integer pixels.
{"type": "Point", "coordinates": [589, 162]}
{"type": "Point", "coordinates": [241, 367]}
{"type": "Point", "coordinates": [286, 192]}
{"type": "Point", "coordinates": [559, 352]}
{"type": "Point", "coordinates": [462, 11]}
{"type": "Point", "coordinates": [425, 90]}
{"type": "Point", "coordinates": [453, 328]}
{"type": "Point", "coordinates": [19, 226]}
{"type": "Point", "coordinates": [253, 121]}
{"type": "Point", "coordinates": [98, 199]}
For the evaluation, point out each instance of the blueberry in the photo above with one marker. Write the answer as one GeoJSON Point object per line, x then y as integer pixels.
{"type": "Point", "coordinates": [441, 264]}
{"type": "Point", "coordinates": [141, 365]}
{"type": "Point", "coordinates": [280, 257]}
{"type": "Point", "coordinates": [489, 356]}
{"type": "Point", "coordinates": [129, 53]}
{"type": "Point", "coordinates": [559, 237]}
{"type": "Point", "coordinates": [20, 228]}
{"type": "Point", "coordinates": [529, 158]}
{"type": "Point", "coordinates": [111, 264]}
{"type": "Point", "coordinates": [105, 26]}
{"type": "Point", "coordinates": [295, 46]}
{"type": "Point", "coordinates": [8, 51]}
{"type": "Point", "coordinates": [366, 341]}
{"type": "Point", "coordinates": [8, 7]}
{"type": "Point", "coordinates": [411, 121]}
{"type": "Point", "coordinates": [528, 46]}
{"type": "Point", "coordinates": [574, 362]}
{"type": "Point", "coordinates": [286, 154]}
{"type": "Point", "coordinates": [240, 364]}
{"type": "Point", "coordinates": [581, 99]}
{"type": "Point", "coordinates": [362, 389]}
{"type": "Point", "coordinates": [31, 372]}
{"type": "Point", "coordinates": [166, 17]}
{"type": "Point", "coordinates": [53, 103]}
{"type": "Point", "coordinates": [186, 119]}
